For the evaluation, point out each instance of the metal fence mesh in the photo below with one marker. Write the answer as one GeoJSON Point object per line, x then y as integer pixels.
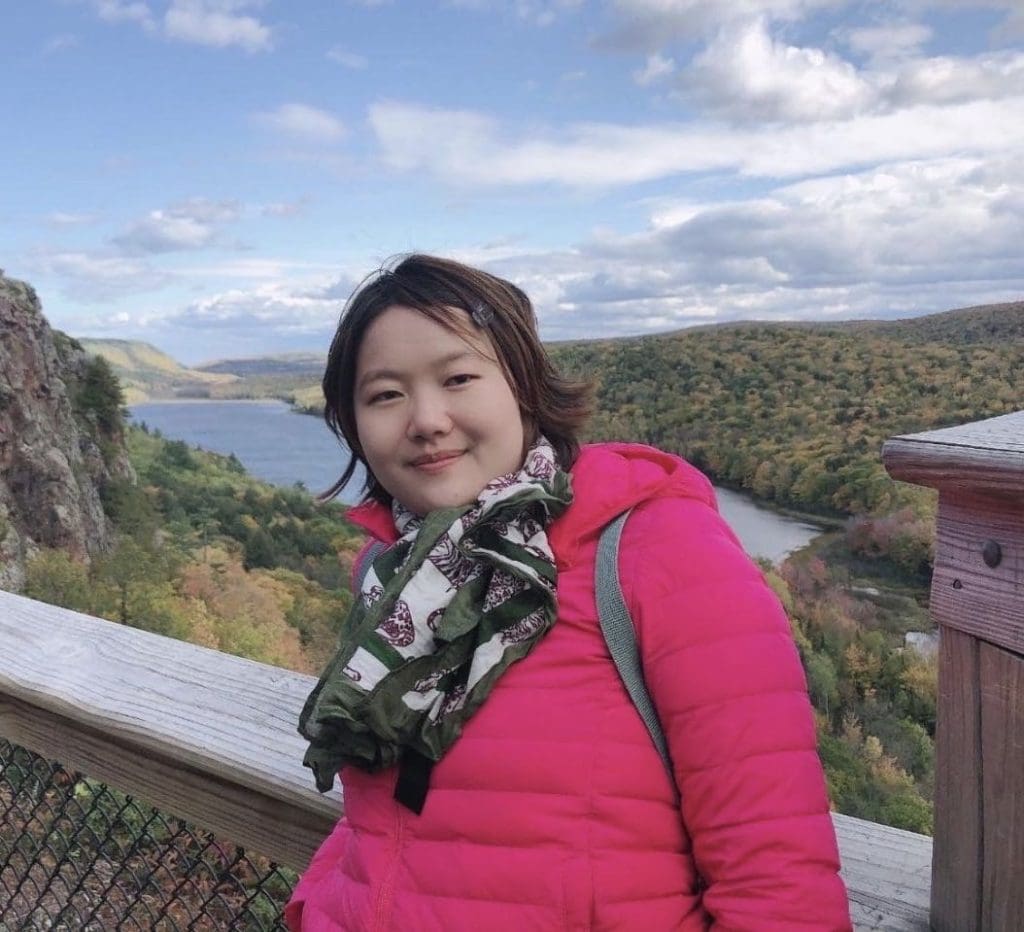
{"type": "Point", "coordinates": [78, 855]}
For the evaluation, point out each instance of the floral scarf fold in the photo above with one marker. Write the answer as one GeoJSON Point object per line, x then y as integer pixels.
{"type": "Point", "coordinates": [464, 593]}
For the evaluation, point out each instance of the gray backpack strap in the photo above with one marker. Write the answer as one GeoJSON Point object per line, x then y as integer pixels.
{"type": "Point", "coordinates": [620, 636]}
{"type": "Point", "coordinates": [373, 550]}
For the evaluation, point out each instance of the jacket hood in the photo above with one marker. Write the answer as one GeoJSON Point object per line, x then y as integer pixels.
{"type": "Point", "coordinates": [607, 479]}
{"type": "Point", "coordinates": [610, 478]}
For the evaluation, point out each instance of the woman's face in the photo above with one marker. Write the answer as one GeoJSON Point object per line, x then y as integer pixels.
{"type": "Point", "coordinates": [435, 416]}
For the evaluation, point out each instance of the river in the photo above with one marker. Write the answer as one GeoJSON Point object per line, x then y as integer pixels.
{"type": "Point", "coordinates": [282, 447]}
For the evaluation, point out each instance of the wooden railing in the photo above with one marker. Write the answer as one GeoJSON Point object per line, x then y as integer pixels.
{"type": "Point", "coordinates": [977, 600]}
{"type": "Point", "coordinates": [211, 738]}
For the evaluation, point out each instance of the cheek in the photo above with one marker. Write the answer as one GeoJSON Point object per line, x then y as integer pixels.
{"type": "Point", "coordinates": [372, 437]}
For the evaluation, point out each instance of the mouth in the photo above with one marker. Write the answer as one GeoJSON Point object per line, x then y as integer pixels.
{"type": "Point", "coordinates": [434, 462]}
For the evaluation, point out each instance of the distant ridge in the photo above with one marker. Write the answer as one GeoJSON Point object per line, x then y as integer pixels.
{"type": "Point", "coordinates": [294, 364]}
{"type": "Point", "coordinates": [133, 355]}
{"type": "Point", "coordinates": [981, 324]}
{"type": "Point", "coordinates": [976, 324]}
{"type": "Point", "coordinates": [146, 372]}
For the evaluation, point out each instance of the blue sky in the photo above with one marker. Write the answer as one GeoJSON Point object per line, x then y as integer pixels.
{"type": "Point", "coordinates": [214, 176]}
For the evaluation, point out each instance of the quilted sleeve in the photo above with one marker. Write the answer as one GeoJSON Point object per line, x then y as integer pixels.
{"type": "Point", "coordinates": [726, 679]}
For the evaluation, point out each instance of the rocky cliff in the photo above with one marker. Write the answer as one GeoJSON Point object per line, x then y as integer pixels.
{"type": "Point", "coordinates": [57, 452]}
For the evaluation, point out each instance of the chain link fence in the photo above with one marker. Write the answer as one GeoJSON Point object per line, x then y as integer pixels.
{"type": "Point", "coordinates": [78, 855]}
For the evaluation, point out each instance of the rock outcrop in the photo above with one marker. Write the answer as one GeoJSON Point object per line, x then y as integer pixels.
{"type": "Point", "coordinates": [55, 455]}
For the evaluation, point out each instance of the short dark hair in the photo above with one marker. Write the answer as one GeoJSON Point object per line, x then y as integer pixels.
{"type": "Point", "coordinates": [552, 405]}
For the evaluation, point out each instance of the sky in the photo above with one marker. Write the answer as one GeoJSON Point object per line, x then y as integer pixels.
{"type": "Point", "coordinates": [215, 176]}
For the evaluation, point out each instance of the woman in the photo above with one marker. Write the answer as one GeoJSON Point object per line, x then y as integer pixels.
{"type": "Point", "coordinates": [496, 774]}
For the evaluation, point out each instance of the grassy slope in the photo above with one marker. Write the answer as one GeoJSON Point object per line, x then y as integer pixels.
{"type": "Point", "coordinates": [145, 372]}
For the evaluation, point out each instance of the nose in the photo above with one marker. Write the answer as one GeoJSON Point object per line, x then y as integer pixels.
{"type": "Point", "coordinates": [428, 416]}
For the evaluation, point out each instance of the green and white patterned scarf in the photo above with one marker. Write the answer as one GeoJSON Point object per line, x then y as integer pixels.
{"type": "Point", "coordinates": [463, 594]}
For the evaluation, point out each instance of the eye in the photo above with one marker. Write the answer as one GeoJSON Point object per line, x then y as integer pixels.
{"type": "Point", "coordinates": [462, 378]}
{"type": "Point", "coordinates": [388, 394]}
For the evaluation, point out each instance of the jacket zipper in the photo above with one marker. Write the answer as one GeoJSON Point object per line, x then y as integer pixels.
{"type": "Point", "coordinates": [383, 909]}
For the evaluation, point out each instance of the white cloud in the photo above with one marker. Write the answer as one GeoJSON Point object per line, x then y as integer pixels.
{"type": "Point", "coordinates": [950, 80]}
{"type": "Point", "coordinates": [898, 224]}
{"type": "Point", "coordinates": [250, 268]}
{"type": "Point", "coordinates": [278, 307]}
{"type": "Point", "coordinates": [537, 12]}
{"type": "Point", "coordinates": [471, 149]}
{"type": "Point", "coordinates": [163, 232]}
{"type": "Point", "coordinates": [217, 23]}
{"type": "Point", "coordinates": [651, 24]}
{"type": "Point", "coordinates": [285, 208]}
{"type": "Point", "coordinates": [544, 12]}
{"type": "Point", "coordinates": [887, 41]}
{"type": "Point", "coordinates": [910, 238]}
{"type": "Point", "coordinates": [62, 218]}
{"type": "Point", "coordinates": [125, 11]}
{"type": "Point", "coordinates": [351, 60]}
{"type": "Point", "coordinates": [303, 122]}
{"type": "Point", "coordinates": [655, 68]}
{"type": "Point", "coordinates": [935, 226]}
{"type": "Point", "coordinates": [192, 224]}
{"type": "Point", "coordinates": [746, 73]}
{"type": "Point", "coordinates": [96, 277]}
{"type": "Point", "coordinates": [59, 43]}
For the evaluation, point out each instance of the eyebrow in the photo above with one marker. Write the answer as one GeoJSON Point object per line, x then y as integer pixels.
{"type": "Point", "coordinates": [440, 363]}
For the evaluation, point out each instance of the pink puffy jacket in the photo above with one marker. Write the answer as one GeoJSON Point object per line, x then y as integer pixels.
{"type": "Point", "coordinates": [553, 810]}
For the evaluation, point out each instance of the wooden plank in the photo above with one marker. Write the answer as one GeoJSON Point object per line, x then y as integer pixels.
{"type": "Point", "coordinates": [286, 831]}
{"type": "Point", "coordinates": [230, 717]}
{"type": "Point", "coordinates": [959, 825]}
{"type": "Point", "coordinates": [983, 456]}
{"type": "Point", "coordinates": [1004, 433]}
{"type": "Point", "coordinates": [210, 738]}
{"type": "Point", "coordinates": [1002, 754]}
{"type": "Point", "coordinates": [967, 594]}
{"type": "Point", "coordinates": [887, 873]}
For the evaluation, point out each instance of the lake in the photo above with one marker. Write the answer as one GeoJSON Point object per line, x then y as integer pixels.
{"type": "Point", "coordinates": [281, 447]}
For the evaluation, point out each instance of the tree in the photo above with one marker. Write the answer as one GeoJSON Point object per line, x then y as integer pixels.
{"type": "Point", "coordinates": [52, 576]}
{"type": "Point", "coordinates": [125, 579]}
{"type": "Point", "coordinates": [260, 550]}
{"type": "Point", "coordinates": [131, 510]}
{"type": "Point", "coordinates": [100, 398]}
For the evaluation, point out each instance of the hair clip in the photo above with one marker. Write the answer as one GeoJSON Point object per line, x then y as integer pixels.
{"type": "Point", "coordinates": [482, 315]}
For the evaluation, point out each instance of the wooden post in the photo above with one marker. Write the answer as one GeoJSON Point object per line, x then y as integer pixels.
{"type": "Point", "coordinates": [977, 600]}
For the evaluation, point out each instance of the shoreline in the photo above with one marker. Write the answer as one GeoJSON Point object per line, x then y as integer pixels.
{"type": "Point", "coordinates": [201, 401]}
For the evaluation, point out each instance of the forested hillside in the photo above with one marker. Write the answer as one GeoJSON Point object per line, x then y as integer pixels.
{"type": "Point", "coordinates": [205, 553]}
{"type": "Point", "coordinates": [798, 414]}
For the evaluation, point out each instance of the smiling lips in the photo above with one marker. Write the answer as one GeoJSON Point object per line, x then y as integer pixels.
{"type": "Point", "coordinates": [435, 462]}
